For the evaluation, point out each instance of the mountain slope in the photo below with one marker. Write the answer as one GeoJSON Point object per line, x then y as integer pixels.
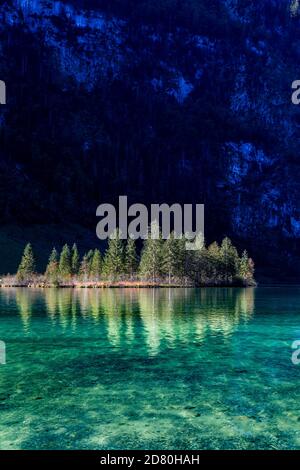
{"type": "Point", "coordinates": [165, 101]}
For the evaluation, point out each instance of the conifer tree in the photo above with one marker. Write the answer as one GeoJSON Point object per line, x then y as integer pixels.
{"type": "Point", "coordinates": [27, 265]}
{"type": "Point", "coordinates": [95, 266]}
{"type": "Point", "coordinates": [251, 272]}
{"type": "Point", "coordinates": [213, 266]}
{"type": "Point", "coordinates": [86, 265]}
{"type": "Point", "coordinates": [199, 261]}
{"type": "Point", "coordinates": [214, 263]}
{"type": "Point", "coordinates": [84, 270]}
{"type": "Point", "coordinates": [52, 270]}
{"type": "Point", "coordinates": [113, 265]}
{"type": "Point", "coordinates": [173, 257]}
{"type": "Point", "coordinates": [229, 260]}
{"type": "Point", "coordinates": [75, 261]}
{"type": "Point", "coordinates": [131, 260]}
{"type": "Point", "coordinates": [151, 257]}
{"type": "Point", "coordinates": [244, 265]}
{"type": "Point", "coordinates": [182, 257]}
{"type": "Point", "coordinates": [89, 257]}
{"type": "Point", "coordinates": [203, 266]}
{"type": "Point", "coordinates": [65, 268]}
{"type": "Point", "coordinates": [246, 269]}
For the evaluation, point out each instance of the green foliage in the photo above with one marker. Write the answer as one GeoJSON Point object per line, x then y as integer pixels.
{"type": "Point", "coordinates": [244, 265]}
{"type": "Point", "coordinates": [52, 269]}
{"type": "Point", "coordinates": [246, 269]}
{"type": "Point", "coordinates": [89, 256]}
{"type": "Point", "coordinates": [131, 259]}
{"type": "Point", "coordinates": [173, 258]}
{"type": "Point", "coordinates": [229, 260]}
{"type": "Point", "coordinates": [75, 261]}
{"type": "Point", "coordinates": [27, 266]}
{"type": "Point", "coordinates": [167, 261]}
{"type": "Point", "coordinates": [113, 265]}
{"type": "Point", "coordinates": [200, 266]}
{"type": "Point", "coordinates": [65, 267]}
{"type": "Point", "coordinates": [151, 258]}
{"type": "Point", "coordinates": [214, 263]}
{"type": "Point", "coordinates": [197, 261]}
{"type": "Point", "coordinates": [86, 266]}
{"type": "Point", "coordinates": [96, 265]}
{"type": "Point", "coordinates": [84, 269]}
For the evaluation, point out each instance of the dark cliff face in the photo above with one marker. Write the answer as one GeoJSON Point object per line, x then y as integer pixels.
{"type": "Point", "coordinates": [165, 101]}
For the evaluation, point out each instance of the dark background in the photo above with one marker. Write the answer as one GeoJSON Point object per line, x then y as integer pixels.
{"type": "Point", "coordinates": [164, 101]}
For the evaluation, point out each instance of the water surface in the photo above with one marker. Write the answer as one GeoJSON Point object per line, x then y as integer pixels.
{"type": "Point", "coordinates": [149, 369]}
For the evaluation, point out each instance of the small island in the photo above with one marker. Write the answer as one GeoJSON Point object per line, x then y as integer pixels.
{"type": "Point", "coordinates": [161, 263]}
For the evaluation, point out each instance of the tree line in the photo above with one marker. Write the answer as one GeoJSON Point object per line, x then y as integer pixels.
{"type": "Point", "coordinates": [160, 261]}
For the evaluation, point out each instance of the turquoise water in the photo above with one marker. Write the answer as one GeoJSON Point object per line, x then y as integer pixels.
{"type": "Point", "coordinates": [150, 369]}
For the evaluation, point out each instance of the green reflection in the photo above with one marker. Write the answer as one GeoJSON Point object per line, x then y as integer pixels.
{"type": "Point", "coordinates": [162, 312]}
{"type": "Point", "coordinates": [149, 368]}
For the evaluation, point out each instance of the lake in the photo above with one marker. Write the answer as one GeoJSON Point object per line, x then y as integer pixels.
{"type": "Point", "coordinates": [150, 368]}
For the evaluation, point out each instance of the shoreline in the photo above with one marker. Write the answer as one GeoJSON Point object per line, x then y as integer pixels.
{"type": "Point", "coordinates": [120, 285]}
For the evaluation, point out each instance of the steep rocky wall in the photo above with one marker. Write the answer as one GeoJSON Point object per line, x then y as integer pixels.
{"type": "Point", "coordinates": [187, 102]}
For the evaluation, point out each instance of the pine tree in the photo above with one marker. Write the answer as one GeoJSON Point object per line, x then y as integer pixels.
{"type": "Point", "coordinates": [65, 268]}
{"type": "Point", "coordinates": [244, 265]}
{"type": "Point", "coordinates": [95, 266]}
{"type": "Point", "coordinates": [214, 263]}
{"type": "Point", "coordinates": [27, 266]}
{"type": "Point", "coordinates": [151, 258]}
{"type": "Point", "coordinates": [202, 266]}
{"type": "Point", "coordinates": [75, 261]}
{"type": "Point", "coordinates": [89, 258]}
{"type": "Point", "coordinates": [252, 281]}
{"type": "Point", "coordinates": [113, 265]}
{"type": "Point", "coordinates": [199, 261]}
{"type": "Point", "coordinates": [230, 260]}
{"type": "Point", "coordinates": [52, 270]}
{"type": "Point", "coordinates": [173, 258]}
{"type": "Point", "coordinates": [131, 260]}
{"type": "Point", "coordinates": [246, 269]}
{"type": "Point", "coordinates": [84, 270]}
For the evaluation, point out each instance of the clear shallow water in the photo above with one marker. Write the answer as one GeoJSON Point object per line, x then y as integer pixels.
{"type": "Point", "coordinates": [150, 369]}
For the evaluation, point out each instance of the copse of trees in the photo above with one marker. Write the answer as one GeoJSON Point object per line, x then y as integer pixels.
{"type": "Point", "coordinates": [161, 262]}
